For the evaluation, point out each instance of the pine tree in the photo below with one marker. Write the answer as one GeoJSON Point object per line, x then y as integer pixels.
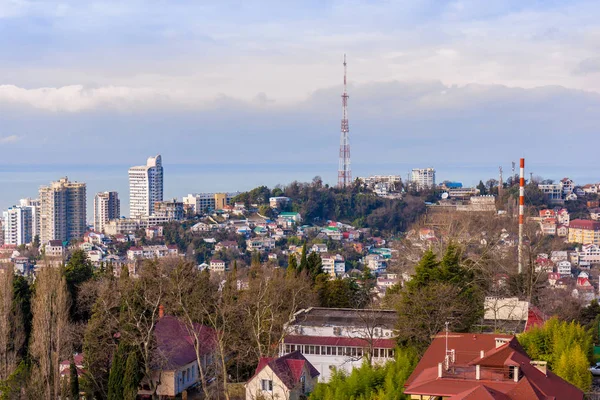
{"type": "Point", "coordinates": [74, 381]}
{"type": "Point", "coordinates": [117, 370]}
{"type": "Point", "coordinates": [314, 265]}
{"type": "Point", "coordinates": [132, 377]}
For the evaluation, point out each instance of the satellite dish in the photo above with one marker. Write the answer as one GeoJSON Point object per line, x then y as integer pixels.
{"type": "Point", "coordinates": [445, 195]}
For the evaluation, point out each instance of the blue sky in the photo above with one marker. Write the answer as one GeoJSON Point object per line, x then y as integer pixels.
{"type": "Point", "coordinates": [440, 83]}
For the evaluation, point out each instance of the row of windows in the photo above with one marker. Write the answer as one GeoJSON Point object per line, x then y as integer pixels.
{"type": "Point", "coordinates": [338, 351]}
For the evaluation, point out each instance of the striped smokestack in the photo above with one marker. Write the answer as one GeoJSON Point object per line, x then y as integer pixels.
{"type": "Point", "coordinates": [521, 212]}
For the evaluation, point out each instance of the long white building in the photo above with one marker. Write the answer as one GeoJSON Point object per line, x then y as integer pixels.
{"type": "Point", "coordinates": [107, 206]}
{"type": "Point", "coordinates": [145, 187]}
{"type": "Point", "coordinates": [18, 225]}
{"type": "Point", "coordinates": [34, 205]}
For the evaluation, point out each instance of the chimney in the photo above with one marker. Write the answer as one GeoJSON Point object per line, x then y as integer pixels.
{"type": "Point", "coordinates": [161, 311]}
{"type": "Point", "coordinates": [477, 372]}
{"type": "Point", "coordinates": [440, 369]}
{"type": "Point", "coordinates": [481, 354]}
{"type": "Point", "coordinates": [541, 365]}
{"type": "Point", "coordinates": [516, 374]}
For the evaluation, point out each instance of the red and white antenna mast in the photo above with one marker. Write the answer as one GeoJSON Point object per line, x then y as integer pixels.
{"type": "Point", "coordinates": [344, 171]}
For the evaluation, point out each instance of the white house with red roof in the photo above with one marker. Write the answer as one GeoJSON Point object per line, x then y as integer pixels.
{"type": "Point", "coordinates": [288, 377]}
{"type": "Point", "coordinates": [340, 337]}
{"type": "Point", "coordinates": [461, 366]}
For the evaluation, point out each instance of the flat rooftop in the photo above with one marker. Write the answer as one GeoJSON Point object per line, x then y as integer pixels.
{"type": "Point", "coordinates": [320, 316]}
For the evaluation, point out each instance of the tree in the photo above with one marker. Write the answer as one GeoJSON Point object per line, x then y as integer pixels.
{"type": "Point", "coordinates": [303, 259]}
{"type": "Point", "coordinates": [73, 380]}
{"type": "Point", "coordinates": [314, 265]}
{"type": "Point", "coordinates": [117, 371]}
{"type": "Point", "coordinates": [482, 188]}
{"type": "Point", "coordinates": [132, 377]}
{"type": "Point", "coordinates": [292, 262]}
{"type": "Point", "coordinates": [566, 346]}
{"type": "Point", "coordinates": [78, 270]}
{"type": "Point", "coordinates": [50, 331]}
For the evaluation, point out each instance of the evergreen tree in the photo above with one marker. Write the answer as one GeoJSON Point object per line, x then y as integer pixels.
{"type": "Point", "coordinates": [78, 270]}
{"type": "Point", "coordinates": [303, 259]}
{"type": "Point", "coordinates": [117, 370]}
{"type": "Point", "coordinates": [132, 377]}
{"type": "Point", "coordinates": [292, 262]}
{"type": "Point", "coordinates": [482, 188]}
{"type": "Point", "coordinates": [74, 380]}
{"type": "Point", "coordinates": [314, 265]}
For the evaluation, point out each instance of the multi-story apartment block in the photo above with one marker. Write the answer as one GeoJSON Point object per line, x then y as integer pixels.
{"type": "Point", "coordinates": [423, 178]}
{"type": "Point", "coordinates": [171, 209]}
{"type": "Point", "coordinates": [341, 338]}
{"type": "Point", "coordinates": [62, 210]}
{"type": "Point", "coordinates": [333, 265]}
{"type": "Point", "coordinates": [18, 225]}
{"type": "Point", "coordinates": [145, 187]}
{"type": "Point", "coordinates": [584, 231]}
{"type": "Point", "coordinates": [203, 202]}
{"type": "Point", "coordinates": [34, 205]}
{"type": "Point", "coordinates": [107, 206]}
{"type": "Point", "coordinates": [149, 252]}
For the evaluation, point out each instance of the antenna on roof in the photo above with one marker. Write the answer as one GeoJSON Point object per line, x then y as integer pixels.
{"type": "Point", "coordinates": [449, 356]}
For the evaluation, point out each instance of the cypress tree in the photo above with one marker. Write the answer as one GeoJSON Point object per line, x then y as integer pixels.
{"type": "Point", "coordinates": [132, 377]}
{"type": "Point", "coordinates": [117, 370]}
{"type": "Point", "coordinates": [303, 259]}
{"type": "Point", "coordinates": [74, 380]}
{"type": "Point", "coordinates": [292, 262]}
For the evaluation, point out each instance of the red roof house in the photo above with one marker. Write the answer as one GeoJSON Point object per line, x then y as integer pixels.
{"type": "Point", "coordinates": [484, 366]}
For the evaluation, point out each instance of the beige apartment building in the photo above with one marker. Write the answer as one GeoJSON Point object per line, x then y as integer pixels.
{"type": "Point", "coordinates": [107, 206]}
{"type": "Point", "coordinates": [62, 210]}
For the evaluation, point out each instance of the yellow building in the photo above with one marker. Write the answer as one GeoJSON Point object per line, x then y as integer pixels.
{"type": "Point", "coordinates": [220, 201]}
{"type": "Point", "coordinates": [584, 231]}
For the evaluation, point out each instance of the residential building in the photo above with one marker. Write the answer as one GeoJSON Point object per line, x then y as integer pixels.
{"type": "Point", "coordinates": [595, 214]}
{"type": "Point", "coordinates": [18, 225]}
{"type": "Point", "coordinates": [423, 178]}
{"type": "Point", "coordinates": [54, 249]}
{"type": "Point", "coordinates": [217, 266]}
{"type": "Point", "coordinates": [62, 210]}
{"type": "Point", "coordinates": [279, 202]}
{"type": "Point", "coordinates": [548, 226]}
{"type": "Point", "coordinates": [319, 248]}
{"type": "Point", "coordinates": [156, 251]}
{"type": "Point", "coordinates": [567, 186]}
{"type": "Point", "coordinates": [376, 263]}
{"type": "Point", "coordinates": [107, 206]}
{"type": "Point", "coordinates": [590, 188]}
{"type": "Point", "coordinates": [340, 337]}
{"type": "Point", "coordinates": [227, 245]}
{"type": "Point", "coordinates": [553, 192]}
{"type": "Point", "coordinates": [172, 210]}
{"type": "Point", "coordinates": [287, 219]}
{"type": "Point", "coordinates": [509, 314]}
{"type": "Point", "coordinates": [34, 205]}
{"type": "Point", "coordinates": [589, 254]}
{"type": "Point", "coordinates": [290, 377]}
{"type": "Point", "coordinates": [333, 265]}
{"type": "Point", "coordinates": [205, 202]}
{"type": "Point", "coordinates": [260, 244]}
{"type": "Point", "coordinates": [484, 366]}
{"type": "Point", "coordinates": [563, 268]}
{"type": "Point", "coordinates": [563, 217]}
{"type": "Point", "coordinates": [145, 187]}
{"type": "Point", "coordinates": [584, 231]}
{"type": "Point", "coordinates": [175, 367]}
{"type": "Point", "coordinates": [562, 231]}
{"type": "Point", "coordinates": [558, 255]}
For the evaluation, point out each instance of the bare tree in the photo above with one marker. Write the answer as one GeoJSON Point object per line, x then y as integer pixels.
{"type": "Point", "coordinates": [50, 329]}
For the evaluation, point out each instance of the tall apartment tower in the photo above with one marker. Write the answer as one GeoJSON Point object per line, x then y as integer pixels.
{"type": "Point", "coordinates": [423, 178]}
{"type": "Point", "coordinates": [34, 205]}
{"type": "Point", "coordinates": [62, 211]}
{"type": "Point", "coordinates": [107, 206]}
{"type": "Point", "coordinates": [145, 187]}
{"type": "Point", "coordinates": [17, 222]}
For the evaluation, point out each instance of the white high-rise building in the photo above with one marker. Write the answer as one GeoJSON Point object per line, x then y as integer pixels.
{"type": "Point", "coordinates": [34, 204]}
{"type": "Point", "coordinates": [423, 178]}
{"type": "Point", "coordinates": [17, 225]}
{"type": "Point", "coordinates": [107, 206]}
{"type": "Point", "coordinates": [145, 187]}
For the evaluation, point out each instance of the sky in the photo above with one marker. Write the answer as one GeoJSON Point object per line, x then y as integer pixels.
{"type": "Point", "coordinates": [250, 87]}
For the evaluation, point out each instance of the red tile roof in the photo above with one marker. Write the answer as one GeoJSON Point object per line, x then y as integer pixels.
{"type": "Point", "coordinates": [288, 368]}
{"type": "Point", "coordinates": [175, 343]}
{"type": "Point", "coordinates": [459, 382]}
{"type": "Point", "coordinates": [584, 224]}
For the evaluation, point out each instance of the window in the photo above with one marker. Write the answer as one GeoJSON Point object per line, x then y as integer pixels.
{"type": "Point", "coordinates": [188, 375]}
{"type": "Point", "coordinates": [303, 384]}
{"type": "Point", "coordinates": [376, 353]}
{"type": "Point", "coordinates": [329, 350]}
{"type": "Point", "coordinates": [266, 385]}
{"type": "Point", "coordinates": [391, 353]}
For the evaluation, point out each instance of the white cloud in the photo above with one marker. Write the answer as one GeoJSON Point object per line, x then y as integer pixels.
{"type": "Point", "coordinates": [9, 139]}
